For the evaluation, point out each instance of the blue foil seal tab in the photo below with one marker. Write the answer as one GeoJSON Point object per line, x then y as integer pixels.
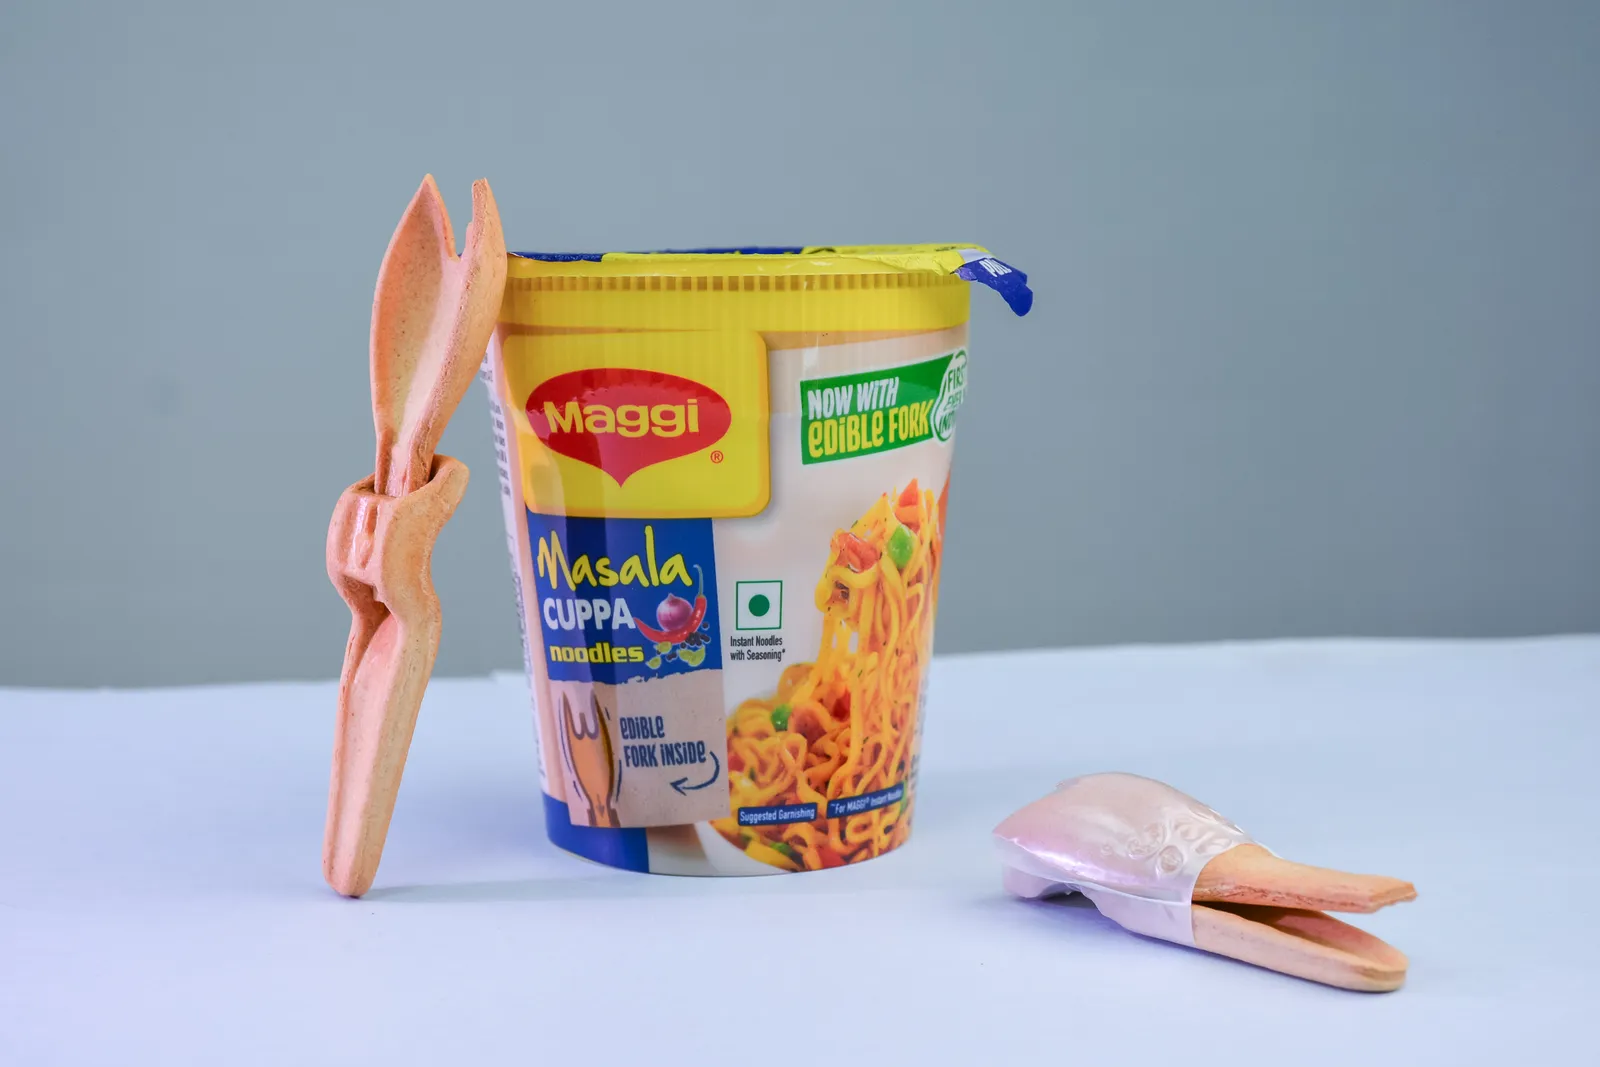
{"type": "Point", "coordinates": [1003, 278]}
{"type": "Point", "coordinates": [562, 257]}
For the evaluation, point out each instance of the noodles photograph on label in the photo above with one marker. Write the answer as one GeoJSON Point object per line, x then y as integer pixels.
{"type": "Point", "coordinates": [726, 479]}
{"type": "Point", "coordinates": [838, 739]}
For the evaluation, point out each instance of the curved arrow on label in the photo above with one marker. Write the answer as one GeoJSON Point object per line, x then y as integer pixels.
{"type": "Point", "coordinates": [716, 771]}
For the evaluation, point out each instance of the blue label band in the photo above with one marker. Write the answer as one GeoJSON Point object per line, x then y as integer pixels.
{"type": "Point", "coordinates": [619, 599]}
{"type": "Point", "coordinates": [780, 814]}
{"type": "Point", "coordinates": [845, 806]}
{"type": "Point", "coordinates": [777, 814]}
{"type": "Point", "coordinates": [628, 849]}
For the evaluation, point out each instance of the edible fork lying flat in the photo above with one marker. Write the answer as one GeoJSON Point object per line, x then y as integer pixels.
{"type": "Point", "coordinates": [1162, 864]}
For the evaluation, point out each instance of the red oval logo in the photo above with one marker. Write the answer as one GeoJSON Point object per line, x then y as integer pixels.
{"type": "Point", "coordinates": [622, 420]}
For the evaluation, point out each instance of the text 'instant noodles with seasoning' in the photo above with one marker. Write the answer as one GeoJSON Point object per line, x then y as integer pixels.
{"type": "Point", "coordinates": [725, 477]}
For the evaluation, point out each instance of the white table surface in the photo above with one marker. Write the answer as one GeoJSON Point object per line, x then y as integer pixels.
{"type": "Point", "coordinates": [161, 899]}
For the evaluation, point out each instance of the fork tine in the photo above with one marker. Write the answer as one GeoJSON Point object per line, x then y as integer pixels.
{"type": "Point", "coordinates": [1249, 874]}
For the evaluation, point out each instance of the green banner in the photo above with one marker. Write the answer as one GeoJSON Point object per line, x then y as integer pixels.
{"type": "Point", "coordinates": [877, 410]}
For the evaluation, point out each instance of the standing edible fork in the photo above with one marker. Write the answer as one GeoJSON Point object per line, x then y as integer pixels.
{"type": "Point", "coordinates": [593, 762]}
{"type": "Point", "coordinates": [432, 316]}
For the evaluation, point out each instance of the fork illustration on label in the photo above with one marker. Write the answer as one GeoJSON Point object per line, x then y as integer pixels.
{"type": "Point", "coordinates": [591, 758]}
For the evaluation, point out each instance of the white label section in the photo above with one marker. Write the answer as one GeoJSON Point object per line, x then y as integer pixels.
{"type": "Point", "coordinates": [789, 543]}
{"type": "Point", "coordinates": [516, 538]}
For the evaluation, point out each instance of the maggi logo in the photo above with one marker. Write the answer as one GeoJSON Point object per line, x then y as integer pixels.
{"type": "Point", "coordinates": [623, 420]}
{"type": "Point", "coordinates": [629, 420]}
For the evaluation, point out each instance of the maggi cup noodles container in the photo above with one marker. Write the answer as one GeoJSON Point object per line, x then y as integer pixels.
{"type": "Point", "coordinates": [725, 477]}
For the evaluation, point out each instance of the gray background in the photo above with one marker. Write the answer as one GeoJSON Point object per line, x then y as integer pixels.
{"type": "Point", "coordinates": [1315, 349]}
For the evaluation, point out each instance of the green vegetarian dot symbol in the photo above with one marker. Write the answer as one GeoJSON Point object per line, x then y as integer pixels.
{"type": "Point", "coordinates": [759, 605]}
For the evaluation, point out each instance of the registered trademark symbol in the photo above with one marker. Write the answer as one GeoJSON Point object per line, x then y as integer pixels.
{"type": "Point", "coordinates": [716, 456]}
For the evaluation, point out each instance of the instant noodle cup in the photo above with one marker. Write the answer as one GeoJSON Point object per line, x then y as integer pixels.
{"type": "Point", "coordinates": [725, 477]}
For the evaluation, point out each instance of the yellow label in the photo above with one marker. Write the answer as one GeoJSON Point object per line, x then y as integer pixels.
{"type": "Point", "coordinates": [658, 425]}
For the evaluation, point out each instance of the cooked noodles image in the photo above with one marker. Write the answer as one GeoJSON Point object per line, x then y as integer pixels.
{"type": "Point", "coordinates": [845, 726]}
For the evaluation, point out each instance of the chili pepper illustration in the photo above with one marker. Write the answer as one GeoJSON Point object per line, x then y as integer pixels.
{"type": "Point", "coordinates": [677, 634]}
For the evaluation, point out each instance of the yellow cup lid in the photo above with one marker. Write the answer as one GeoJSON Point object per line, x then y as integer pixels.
{"type": "Point", "coordinates": [970, 262]}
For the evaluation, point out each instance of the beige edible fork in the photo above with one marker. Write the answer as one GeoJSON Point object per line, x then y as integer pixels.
{"type": "Point", "coordinates": [432, 315]}
{"type": "Point", "coordinates": [1251, 905]}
